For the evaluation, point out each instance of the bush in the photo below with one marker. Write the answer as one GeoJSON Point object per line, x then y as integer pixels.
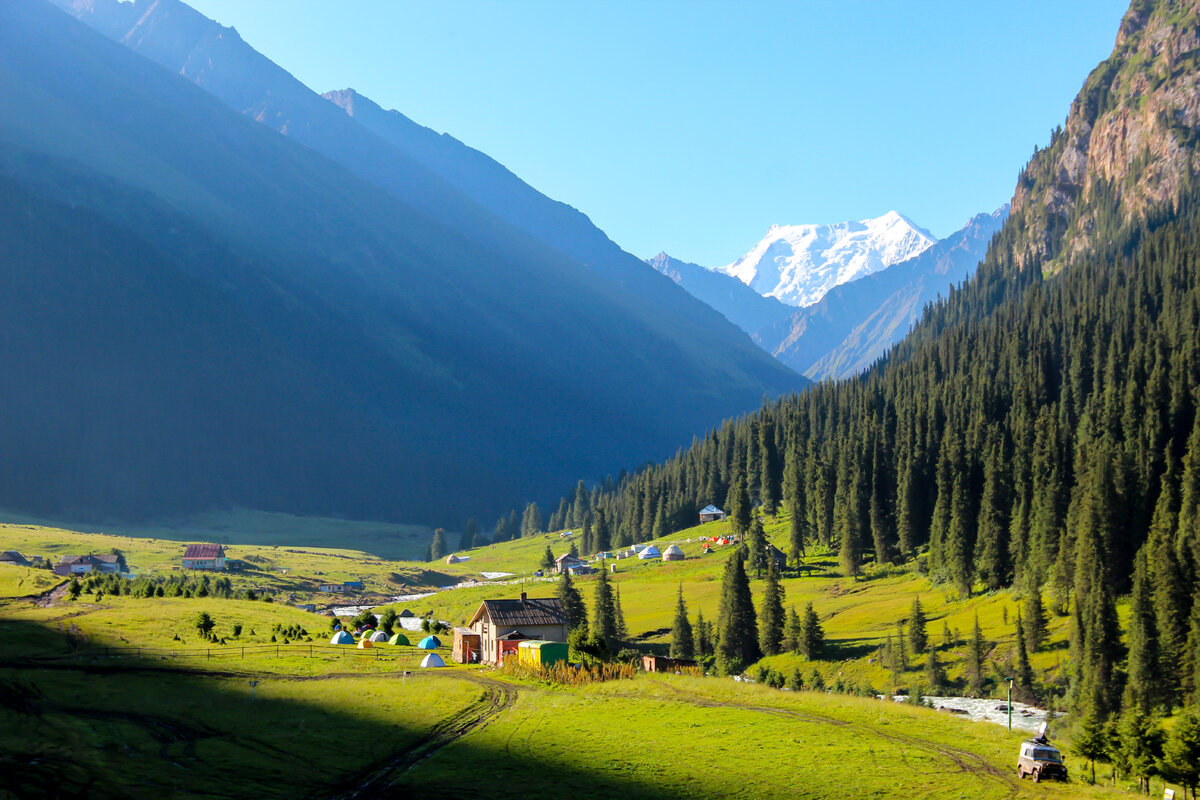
{"type": "Point", "coordinates": [237, 629]}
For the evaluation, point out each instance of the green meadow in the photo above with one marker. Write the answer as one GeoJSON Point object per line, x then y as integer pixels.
{"type": "Point", "coordinates": [120, 696]}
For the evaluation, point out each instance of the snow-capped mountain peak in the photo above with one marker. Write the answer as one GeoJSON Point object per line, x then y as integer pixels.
{"type": "Point", "coordinates": [798, 264]}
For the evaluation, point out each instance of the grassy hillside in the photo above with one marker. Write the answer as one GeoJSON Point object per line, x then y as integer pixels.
{"type": "Point", "coordinates": [327, 722]}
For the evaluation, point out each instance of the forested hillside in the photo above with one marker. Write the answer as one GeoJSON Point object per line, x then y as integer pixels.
{"type": "Point", "coordinates": [1032, 431]}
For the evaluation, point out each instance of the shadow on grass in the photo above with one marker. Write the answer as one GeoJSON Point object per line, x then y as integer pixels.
{"type": "Point", "coordinates": [144, 728]}
{"type": "Point", "coordinates": [845, 649]}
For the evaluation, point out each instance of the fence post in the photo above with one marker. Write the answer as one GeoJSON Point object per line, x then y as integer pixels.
{"type": "Point", "coordinates": [243, 651]}
{"type": "Point", "coordinates": [277, 651]}
{"type": "Point", "coordinates": [310, 651]}
{"type": "Point", "coordinates": [209, 652]}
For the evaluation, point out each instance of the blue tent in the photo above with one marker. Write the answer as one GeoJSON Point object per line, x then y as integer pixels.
{"type": "Point", "coordinates": [341, 637]}
{"type": "Point", "coordinates": [430, 643]}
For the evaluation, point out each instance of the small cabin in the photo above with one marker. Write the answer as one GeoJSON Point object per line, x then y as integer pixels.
{"type": "Point", "coordinates": [665, 664]}
{"type": "Point", "coordinates": [467, 646]}
{"type": "Point", "coordinates": [565, 562]}
{"type": "Point", "coordinates": [711, 513]}
{"type": "Point", "coordinates": [204, 556]}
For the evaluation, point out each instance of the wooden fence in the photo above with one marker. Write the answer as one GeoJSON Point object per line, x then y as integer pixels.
{"type": "Point", "coordinates": [403, 656]}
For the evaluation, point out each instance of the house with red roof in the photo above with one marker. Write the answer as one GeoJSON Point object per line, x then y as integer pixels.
{"type": "Point", "coordinates": [204, 556]}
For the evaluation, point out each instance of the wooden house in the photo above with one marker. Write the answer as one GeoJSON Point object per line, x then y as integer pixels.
{"type": "Point", "coordinates": [565, 562]}
{"type": "Point", "coordinates": [204, 556]}
{"type": "Point", "coordinates": [81, 565]}
{"type": "Point", "coordinates": [502, 624]}
{"type": "Point", "coordinates": [711, 513]}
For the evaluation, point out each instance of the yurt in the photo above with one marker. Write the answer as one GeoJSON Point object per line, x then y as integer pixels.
{"type": "Point", "coordinates": [452, 559]}
{"type": "Point", "coordinates": [399, 639]}
{"type": "Point", "coordinates": [649, 552]}
{"type": "Point", "coordinates": [341, 637]}
{"type": "Point", "coordinates": [672, 553]}
{"type": "Point", "coordinates": [432, 660]}
{"type": "Point", "coordinates": [430, 643]}
{"type": "Point", "coordinates": [365, 644]}
{"type": "Point", "coordinates": [378, 637]}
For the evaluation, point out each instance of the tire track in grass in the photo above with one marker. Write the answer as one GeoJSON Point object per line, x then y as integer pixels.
{"type": "Point", "coordinates": [375, 780]}
{"type": "Point", "coordinates": [965, 760]}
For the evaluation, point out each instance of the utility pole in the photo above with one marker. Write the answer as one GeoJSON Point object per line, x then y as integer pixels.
{"type": "Point", "coordinates": [253, 684]}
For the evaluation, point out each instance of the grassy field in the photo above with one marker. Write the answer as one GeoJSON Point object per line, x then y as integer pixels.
{"type": "Point", "coordinates": [172, 714]}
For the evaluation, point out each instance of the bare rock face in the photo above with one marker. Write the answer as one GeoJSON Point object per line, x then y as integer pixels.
{"type": "Point", "coordinates": [1129, 139]}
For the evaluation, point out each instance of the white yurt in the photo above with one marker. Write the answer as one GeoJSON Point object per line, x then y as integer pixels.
{"type": "Point", "coordinates": [648, 552]}
{"type": "Point", "coordinates": [673, 553]}
{"type": "Point", "coordinates": [432, 660]}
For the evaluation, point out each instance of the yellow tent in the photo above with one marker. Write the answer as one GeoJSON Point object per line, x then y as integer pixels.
{"type": "Point", "coordinates": [365, 644]}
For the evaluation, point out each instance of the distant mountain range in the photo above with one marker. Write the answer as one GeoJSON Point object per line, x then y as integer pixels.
{"type": "Point", "coordinates": [855, 323]}
{"type": "Point", "coordinates": [358, 318]}
{"type": "Point", "coordinates": [798, 264]}
{"type": "Point", "coordinates": [867, 299]}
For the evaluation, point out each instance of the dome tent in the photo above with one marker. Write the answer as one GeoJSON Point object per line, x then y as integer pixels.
{"type": "Point", "coordinates": [432, 660]}
{"type": "Point", "coordinates": [365, 644]}
{"type": "Point", "coordinates": [649, 552]}
{"type": "Point", "coordinates": [341, 637]}
{"type": "Point", "coordinates": [430, 643]}
{"type": "Point", "coordinates": [378, 636]}
{"type": "Point", "coordinates": [399, 639]}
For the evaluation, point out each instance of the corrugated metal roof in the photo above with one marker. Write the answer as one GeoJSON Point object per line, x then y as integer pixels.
{"type": "Point", "coordinates": [531, 611]}
{"type": "Point", "coordinates": [711, 509]}
{"type": "Point", "coordinates": [204, 551]}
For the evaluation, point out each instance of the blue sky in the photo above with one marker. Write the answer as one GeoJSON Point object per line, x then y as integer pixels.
{"type": "Point", "coordinates": [691, 127]}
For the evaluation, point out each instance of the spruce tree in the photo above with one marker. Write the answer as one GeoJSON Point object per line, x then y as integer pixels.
{"type": "Point", "coordinates": [850, 542]}
{"type": "Point", "coordinates": [770, 618]}
{"type": "Point", "coordinates": [812, 635]}
{"type": "Point", "coordinates": [622, 631]}
{"type": "Point", "coordinates": [604, 610]}
{"type": "Point", "coordinates": [918, 639]}
{"type": "Point", "coordinates": [975, 657]}
{"type": "Point", "coordinates": [681, 630]}
{"type": "Point", "coordinates": [770, 473]}
{"type": "Point", "coordinates": [1181, 751]}
{"type": "Point", "coordinates": [548, 559]}
{"type": "Point", "coordinates": [531, 520]}
{"type": "Point", "coordinates": [738, 504]}
{"type": "Point", "coordinates": [1024, 671]}
{"type": "Point", "coordinates": [573, 605]}
{"type": "Point", "coordinates": [470, 531]}
{"type": "Point", "coordinates": [1145, 689]}
{"type": "Point", "coordinates": [993, 524]}
{"type": "Point", "coordinates": [703, 636]}
{"type": "Point", "coordinates": [756, 546]}
{"type": "Point", "coordinates": [792, 632]}
{"type": "Point", "coordinates": [601, 535]}
{"type": "Point", "coordinates": [1035, 616]}
{"type": "Point", "coordinates": [934, 675]}
{"type": "Point", "coordinates": [1140, 741]}
{"type": "Point", "coordinates": [737, 645]}
{"type": "Point", "coordinates": [794, 499]}
{"type": "Point", "coordinates": [587, 537]}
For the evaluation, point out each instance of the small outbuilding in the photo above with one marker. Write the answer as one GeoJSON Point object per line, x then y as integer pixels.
{"type": "Point", "coordinates": [204, 556]}
{"type": "Point", "coordinates": [649, 552]}
{"type": "Point", "coordinates": [400, 639]}
{"type": "Point", "coordinates": [673, 553]}
{"type": "Point", "coordinates": [711, 513]}
{"type": "Point", "coordinates": [406, 613]}
{"type": "Point", "coordinates": [539, 653]}
{"type": "Point", "coordinates": [430, 643]}
{"type": "Point", "coordinates": [468, 648]}
{"type": "Point", "coordinates": [432, 660]}
{"type": "Point", "coordinates": [342, 637]}
{"type": "Point", "coordinates": [665, 664]}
